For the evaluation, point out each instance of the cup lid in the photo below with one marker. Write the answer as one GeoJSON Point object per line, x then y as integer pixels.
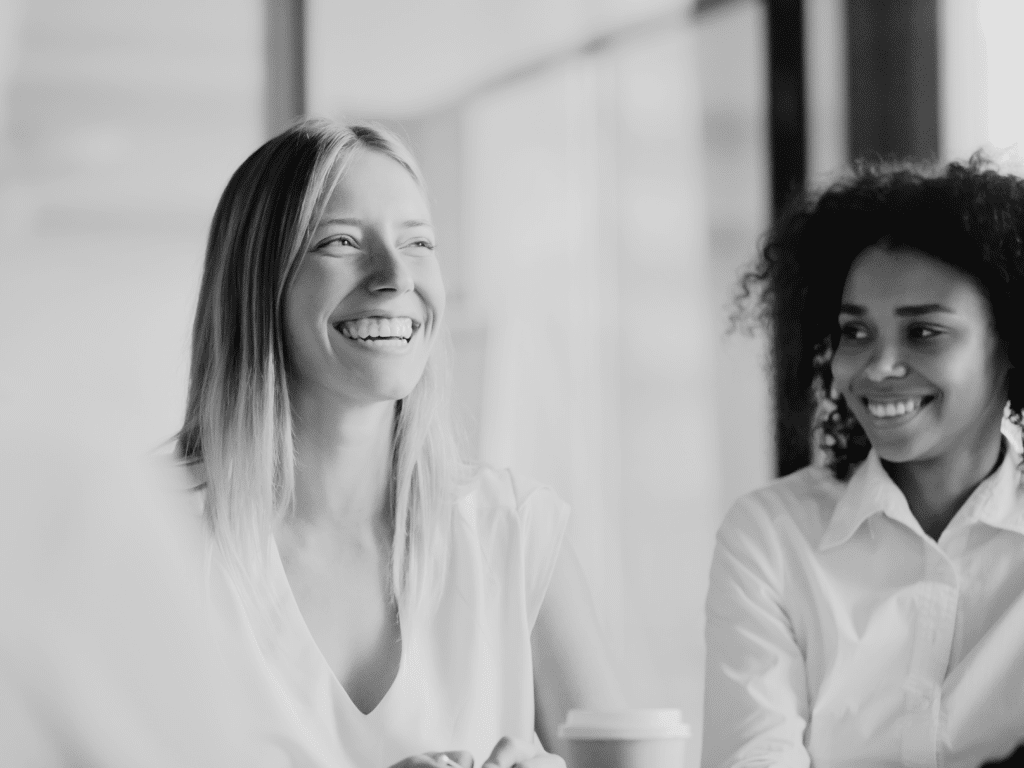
{"type": "Point", "coordinates": [624, 724]}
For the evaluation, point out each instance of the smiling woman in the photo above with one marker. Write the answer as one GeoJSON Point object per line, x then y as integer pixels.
{"type": "Point", "coordinates": [870, 610]}
{"type": "Point", "coordinates": [397, 606]}
{"type": "Point", "coordinates": [922, 369]}
{"type": "Point", "coordinates": [364, 307]}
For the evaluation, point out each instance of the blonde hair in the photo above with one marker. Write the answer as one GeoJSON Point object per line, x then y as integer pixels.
{"type": "Point", "coordinates": [238, 420]}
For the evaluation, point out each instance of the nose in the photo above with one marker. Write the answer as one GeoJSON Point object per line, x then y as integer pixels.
{"type": "Point", "coordinates": [885, 364]}
{"type": "Point", "coordinates": [388, 272]}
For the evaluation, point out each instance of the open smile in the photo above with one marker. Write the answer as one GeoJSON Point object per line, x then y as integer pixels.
{"type": "Point", "coordinates": [379, 332]}
{"type": "Point", "coordinates": [896, 411]}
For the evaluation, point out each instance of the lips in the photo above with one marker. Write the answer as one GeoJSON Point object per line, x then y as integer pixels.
{"type": "Point", "coordinates": [892, 409]}
{"type": "Point", "coordinates": [379, 330]}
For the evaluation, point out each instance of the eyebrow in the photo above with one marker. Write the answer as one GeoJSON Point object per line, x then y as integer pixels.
{"type": "Point", "coordinates": [326, 222]}
{"type": "Point", "coordinates": [407, 223]}
{"type": "Point", "coordinates": [912, 310]}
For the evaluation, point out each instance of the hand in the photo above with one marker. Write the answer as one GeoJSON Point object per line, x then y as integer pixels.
{"type": "Point", "coordinates": [510, 752]}
{"type": "Point", "coordinates": [456, 758]}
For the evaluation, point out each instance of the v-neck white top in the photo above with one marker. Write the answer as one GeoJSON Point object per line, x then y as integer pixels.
{"type": "Point", "coordinates": [840, 634]}
{"type": "Point", "coordinates": [466, 674]}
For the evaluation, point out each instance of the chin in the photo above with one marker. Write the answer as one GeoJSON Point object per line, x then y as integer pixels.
{"type": "Point", "coordinates": [391, 390]}
{"type": "Point", "coordinates": [891, 456]}
{"type": "Point", "coordinates": [900, 451]}
{"type": "Point", "coordinates": [381, 383]}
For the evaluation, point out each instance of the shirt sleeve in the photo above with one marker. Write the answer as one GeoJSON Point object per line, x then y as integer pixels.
{"type": "Point", "coordinates": [543, 519]}
{"type": "Point", "coordinates": [755, 695]}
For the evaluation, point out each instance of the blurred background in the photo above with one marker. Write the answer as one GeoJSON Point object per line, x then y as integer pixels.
{"type": "Point", "coordinates": [600, 172]}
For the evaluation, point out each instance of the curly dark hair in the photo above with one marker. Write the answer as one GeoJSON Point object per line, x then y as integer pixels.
{"type": "Point", "coordinates": [968, 215]}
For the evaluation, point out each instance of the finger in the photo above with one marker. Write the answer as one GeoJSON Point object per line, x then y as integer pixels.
{"type": "Point", "coordinates": [508, 752]}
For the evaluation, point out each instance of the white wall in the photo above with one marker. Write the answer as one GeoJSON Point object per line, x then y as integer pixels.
{"type": "Point", "coordinates": [827, 93]}
{"type": "Point", "coordinates": [732, 64]}
{"type": "Point", "coordinates": [585, 255]}
{"type": "Point", "coordinates": [123, 123]}
{"type": "Point", "coordinates": [392, 58]}
{"type": "Point", "coordinates": [980, 64]}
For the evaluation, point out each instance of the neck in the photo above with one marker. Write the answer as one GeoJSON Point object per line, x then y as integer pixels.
{"type": "Point", "coordinates": [935, 489]}
{"type": "Point", "coordinates": [342, 463]}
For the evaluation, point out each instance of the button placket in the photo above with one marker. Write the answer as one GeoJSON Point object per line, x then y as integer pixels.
{"type": "Point", "coordinates": [936, 606]}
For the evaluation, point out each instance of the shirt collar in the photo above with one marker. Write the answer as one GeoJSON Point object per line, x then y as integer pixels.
{"type": "Point", "coordinates": [998, 501]}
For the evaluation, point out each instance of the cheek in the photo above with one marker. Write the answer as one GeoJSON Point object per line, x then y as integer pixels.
{"type": "Point", "coordinates": [313, 294]}
{"type": "Point", "coordinates": [980, 376]}
{"type": "Point", "coordinates": [431, 288]}
{"type": "Point", "coordinates": [292, 317]}
{"type": "Point", "coordinates": [843, 368]}
{"type": "Point", "coordinates": [296, 337]}
{"type": "Point", "coordinates": [302, 313]}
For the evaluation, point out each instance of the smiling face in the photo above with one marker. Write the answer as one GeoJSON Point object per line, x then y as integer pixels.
{"type": "Point", "coordinates": [362, 311]}
{"type": "Point", "coordinates": [919, 362]}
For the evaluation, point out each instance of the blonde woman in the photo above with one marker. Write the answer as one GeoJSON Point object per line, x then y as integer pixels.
{"type": "Point", "coordinates": [399, 606]}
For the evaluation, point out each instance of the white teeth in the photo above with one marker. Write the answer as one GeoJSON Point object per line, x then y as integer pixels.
{"type": "Point", "coordinates": [393, 330]}
{"type": "Point", "coordinates": [890, 410]}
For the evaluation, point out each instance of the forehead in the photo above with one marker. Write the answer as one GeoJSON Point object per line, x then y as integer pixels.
{"type": "Point", "coordinates": [374, 184]}
{"type": "Point", "coordinates": [889, 278]}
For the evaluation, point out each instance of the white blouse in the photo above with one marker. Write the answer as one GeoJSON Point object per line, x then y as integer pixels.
{"type": "Point", "coordinates": [840, 634]}
{"type": "Point", "coordinates": [466, 674]}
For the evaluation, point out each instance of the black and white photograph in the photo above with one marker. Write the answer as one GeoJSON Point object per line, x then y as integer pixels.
{"type": "Point", "coordinates": [511, 383]}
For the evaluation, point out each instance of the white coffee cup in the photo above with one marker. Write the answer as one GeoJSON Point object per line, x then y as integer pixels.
{"type": "Point", "coordinates": [634, 738]}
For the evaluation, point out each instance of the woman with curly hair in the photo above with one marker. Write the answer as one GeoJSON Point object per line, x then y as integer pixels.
{"type": "Point", "coordinates": [869, 610]}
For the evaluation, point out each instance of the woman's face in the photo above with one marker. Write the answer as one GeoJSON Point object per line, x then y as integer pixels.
{"type": "Point", "coordinates": [362, 311]}
{"type": "Point", "coordinates": [918, 360]}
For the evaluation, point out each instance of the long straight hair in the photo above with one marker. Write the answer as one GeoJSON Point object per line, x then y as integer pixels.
{"type": "Point", "coordinates": [238, 420]}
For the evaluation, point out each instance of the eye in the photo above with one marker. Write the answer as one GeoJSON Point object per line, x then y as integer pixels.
{"type": "Point", "coordinates": [337, 243]}
{"type": "Point", "coordinates": [345, 241]}
{"type": "Point", "coordinates": [419, 245]}
{"type": "Point", "coordinates": [923, 332]}
{"type": "Point", "coordinates": [853, 331]}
